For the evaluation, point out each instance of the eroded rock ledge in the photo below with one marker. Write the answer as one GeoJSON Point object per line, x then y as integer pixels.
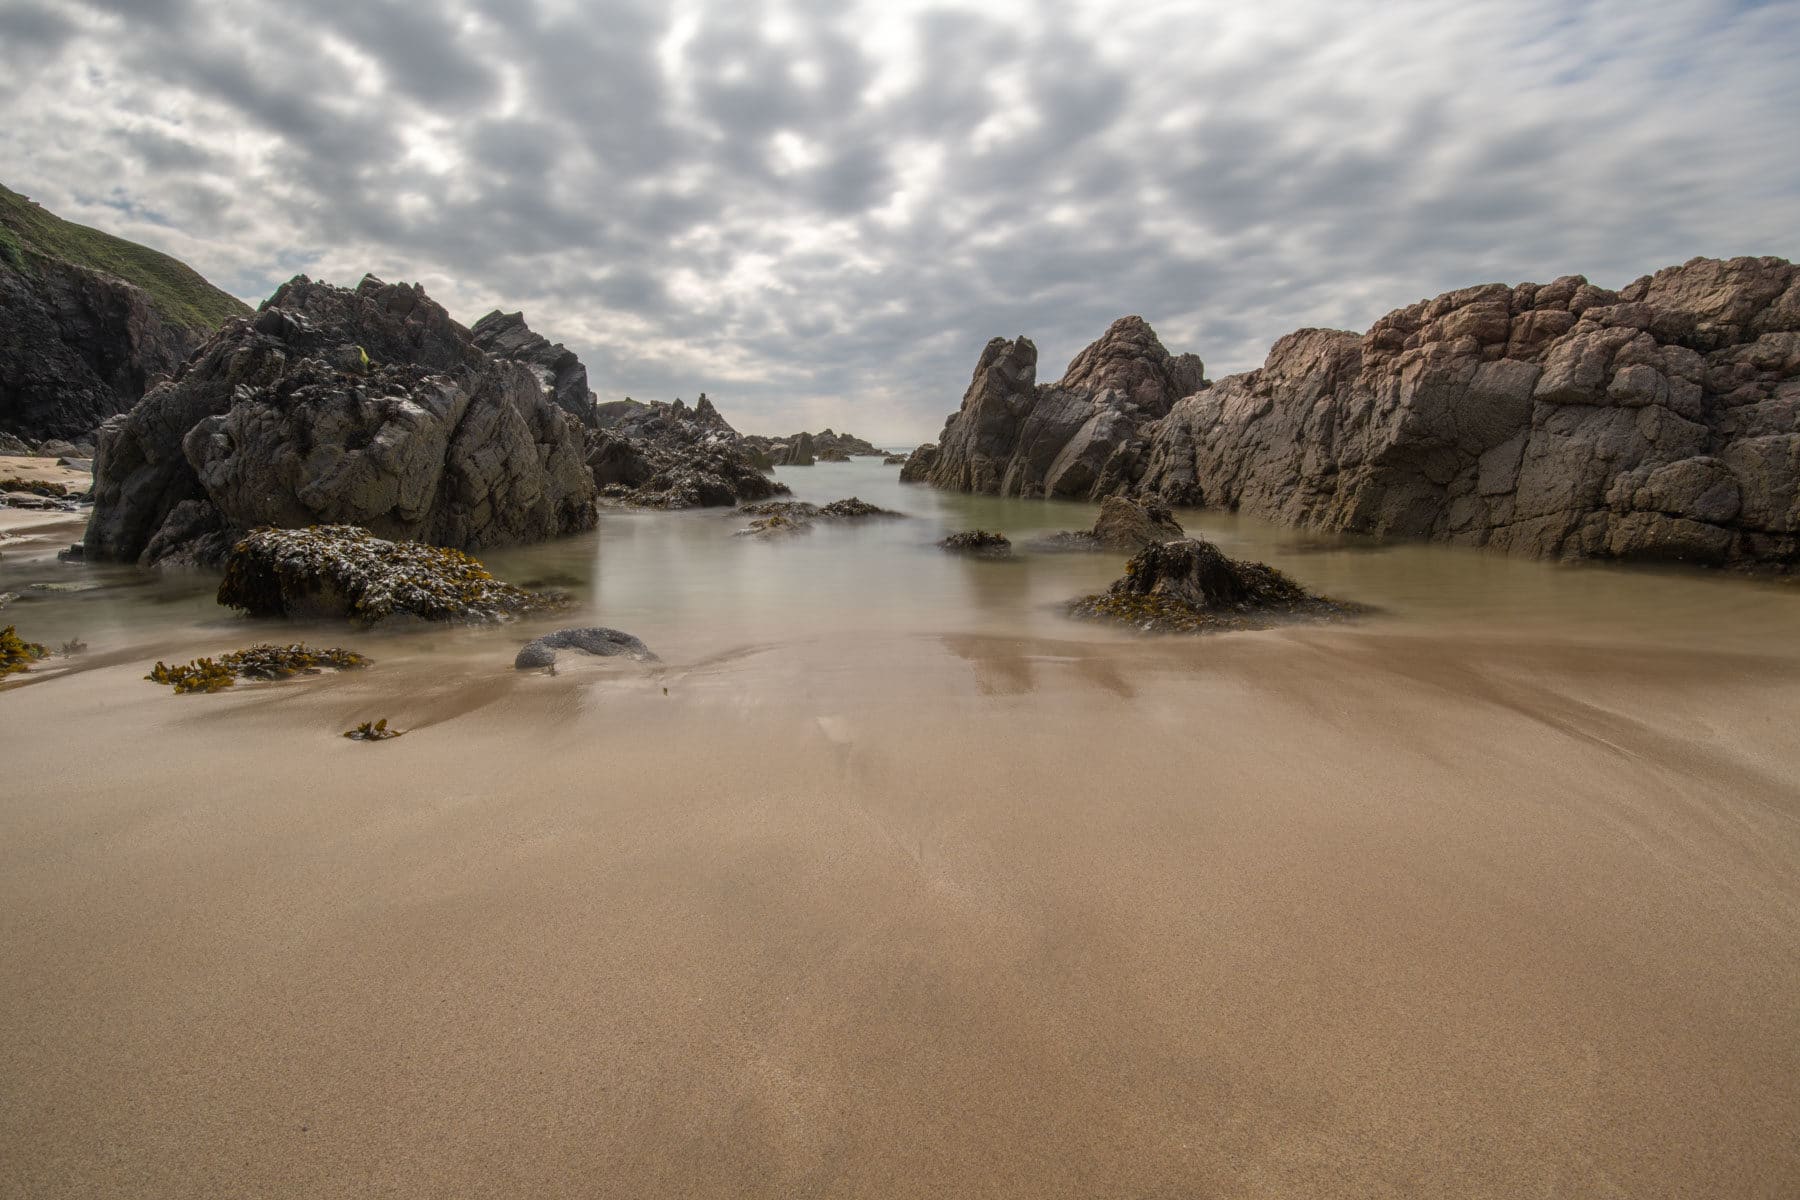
{"type": "Point", "coordinates": [1660, 421]}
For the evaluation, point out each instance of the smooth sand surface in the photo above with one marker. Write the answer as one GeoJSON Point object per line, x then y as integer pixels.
{"type": "Point", "coordinates": [1334, 912]}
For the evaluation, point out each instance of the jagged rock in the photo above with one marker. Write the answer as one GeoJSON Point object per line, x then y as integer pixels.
{"type": "Point", "coordinates": [505, 335]}
{"type": "Point", "coordinates": [88, 322]}
{"type": "Point", "coordinates": [894, 460]}
{"type": "Point", "coordinates": [1123, 524]}
{"type": "Point", "coordinates": [597, 640]}
{"type": "Point", "coordinates": [1081, 437]}
{"type": "Point", "coordinates": [343, 571]}
{"type": "Point", "coordinates": [617, 412]}
{"type": "Point", "coordinates": [798, 452]}
{"type": "Point", "coordinates": [831, 454]}
{"type": "Point", "coordinates": [978, 542]}
{"type": "Point", "coordinates": [1660, 421]}
{"type": "Point", "coordinates": [1190, 586]}
{"type": "Point", "coordinates": [826, 446]}
{"type": "Point", "coordinates": [331, 405]}
{"type": "Point", "coordinates": [918, 465]}
{"type": "Point", "coordinates": [671, 456]}
{"type": "Point", "coordinates": [10, 444]}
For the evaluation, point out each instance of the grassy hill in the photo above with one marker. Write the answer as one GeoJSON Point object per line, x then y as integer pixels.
{"type": "Point", "coordinates": [175, 289]}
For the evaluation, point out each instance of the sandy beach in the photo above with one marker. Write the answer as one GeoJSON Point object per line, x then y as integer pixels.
{"type": "Point", "coordinates": [1330, 912]}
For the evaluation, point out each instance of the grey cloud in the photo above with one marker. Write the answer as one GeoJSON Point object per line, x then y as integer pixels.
{"type": "Point", "coordinates": [1230, 179]}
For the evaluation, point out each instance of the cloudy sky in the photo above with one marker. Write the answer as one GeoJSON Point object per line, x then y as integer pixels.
{"type": "Point", "coordinates": [819, 210]}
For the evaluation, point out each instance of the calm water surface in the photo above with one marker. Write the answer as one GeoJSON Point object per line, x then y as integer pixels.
{"type": "Point", "coordinates": [683, 579]}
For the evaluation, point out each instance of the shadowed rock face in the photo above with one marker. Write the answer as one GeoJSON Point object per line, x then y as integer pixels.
{"type": "Point", "coordinates": [1661, 421]}
{"type": "Point", "coordinates": [366, 407]}
{"type": "Point", "coordinates": [505, 335]}
{"type": "Point", "coordinates": [88, 321]}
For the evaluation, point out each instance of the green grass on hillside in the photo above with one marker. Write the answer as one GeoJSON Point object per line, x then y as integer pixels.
{"type": "Point", "coordinates": [176, 290]}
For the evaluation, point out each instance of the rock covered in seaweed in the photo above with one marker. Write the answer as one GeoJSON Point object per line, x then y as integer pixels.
{"type": "Point", "coordinates": [781, 518]}
{"type": "Point", "coordinates": [1191, 586]}
{"type": "Point", "coordinates": [365, 406]}
{"type": "Point", "coordinates": [17, 654]}
{"type": "Point", "coordinates": [978, 542]}
{"type": "Point", "coordinates": [343, 571]}
{"type": "Point", "coordinates": [596, 640]}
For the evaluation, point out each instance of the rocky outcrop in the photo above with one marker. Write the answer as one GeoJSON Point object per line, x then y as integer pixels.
{"type": "Point", "coordinates": [89, 322]}
{"type": "Point", "coordinates": [784, 518]}
{"type": "Point", "coordinates": [365, 406]}
{"type": "Point", "coordinates": [1191, 586]}
{"type": "Point", "coordinates": [804, 449]}
{"type": "Point", "coordinates": [980, 543]}
{"type": "Point", "coordinates": [1081, 437]}
{"type": "Point", "coordinates": [673, 456]}
{"type": "Point", "coordinates": [1659, 421]}
{"type": "Point", "coordinates": [1124, 524]}
{"type": "Point", "coordinates": [337, 571]}
{"type": "Point", "coordinates": [540, 653]}
{"type": "Point", "coordinates": [505, 335]}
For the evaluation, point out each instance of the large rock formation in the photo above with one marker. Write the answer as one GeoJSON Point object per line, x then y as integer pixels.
{"type": "Point", "coordinates": [1190, 586]}
{"type": "Point", "coordinates": [1660, 421]}
{"type": "Point", "coordinates": [673, 456]}
{"type": "Point", "coordinates": [89, 321]}
{"type": "Point", "coordinates": [1083, 436]}
{"type": "Point", "coordinates": [505, 335]}
{"type": "Point", "coordinates": [366, 407]}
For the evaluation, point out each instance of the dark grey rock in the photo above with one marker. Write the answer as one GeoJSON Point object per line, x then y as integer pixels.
{"type": "Point", "coordinates": [597, 640]}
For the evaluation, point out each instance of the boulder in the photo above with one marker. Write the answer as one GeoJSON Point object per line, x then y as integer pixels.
{"type": "Point", "coordinates": [340, 571]}
{"type": "Point", "coordinates": [918, 465]}
{"type": "Point", "coordinates": [980, 543]}
{"type": "Point", "coordinates": [799, 452]}
{"type": "Point", "coordinates": [1190, 585]}
{"type": "Point", "coordinates": [540, 653]}
{"type": "Point", "coordinates": [365, 406]}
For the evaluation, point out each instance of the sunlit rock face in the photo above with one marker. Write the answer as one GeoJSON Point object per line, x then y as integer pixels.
{"type": "Point", "coordinates": [1660, 421]}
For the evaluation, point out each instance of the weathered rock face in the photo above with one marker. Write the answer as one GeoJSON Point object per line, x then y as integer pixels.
{"type": "Point", "coordinates": [1123, 524]}
{"type": "Point", "coordinates": [797, 453]}
{"type": "Point", "coordinates": [366, 407]}
{"type": "Point", "coordinates": [918, 465]}
{"type": "Point", "coordinates": [1661, 421]}
{"type": "Point", "coordinates": [1082, 437]}
{"type": "Point", "coordinates": [671, 456]}
{"type": "Point", "coordinates": [505, 335]}
{"type": "Point", "coordinates": [78, 342]}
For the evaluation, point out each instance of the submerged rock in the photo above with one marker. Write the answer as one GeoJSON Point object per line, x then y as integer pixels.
{"type": "Point", "coordinates": [853, 508]}
{"type": "Point", "coordinates": [777, 525]}
{"type": "Point", "coordinates": [596, 640]}
{"type": "Point", "coordinates": [343, 571]}
{"type": "Point", "coordinates": [1191, 586]}
{"type": "Point", "coordinates": [1124, 524]}
{"type": "Point", "coordinates": [365, 406]}
{"type": "Point", "coordinates": [978, 542]}
{"type": "Point", "coordinates": [893, 460]}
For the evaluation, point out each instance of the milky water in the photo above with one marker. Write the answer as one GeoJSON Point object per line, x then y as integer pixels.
{"type": "Point", "coordinates": [683, 578]}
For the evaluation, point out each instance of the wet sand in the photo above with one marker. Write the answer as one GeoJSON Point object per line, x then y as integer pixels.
{"type": "Point", "coordinates": [1371, 911]}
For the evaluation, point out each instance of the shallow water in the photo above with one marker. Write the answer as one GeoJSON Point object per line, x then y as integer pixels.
{"type": "Point", "coordinates": [682, 580]}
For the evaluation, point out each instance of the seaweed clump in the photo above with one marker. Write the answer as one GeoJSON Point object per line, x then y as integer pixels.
{"type": "Point", "coordinates": [344, 570]}
{"type": "Point", "coordinates": [373, 731]}
{"type": "Point", "coordinates": [1191, 586]}
{"type": "Point", "coordinates": [978, 542]}
{"type": "Point", "coordinates": [258, 662]}
{"type": "Point", "coordinates": [776, 525]}
{"type": "Point", "coordinates": [855, 506]}
{"type": "Point", "coordinates": [17, 654]}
